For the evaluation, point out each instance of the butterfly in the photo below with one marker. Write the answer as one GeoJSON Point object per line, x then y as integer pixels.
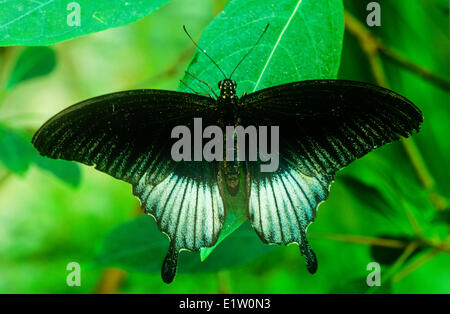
{"type": "Point", "coordinates": [323, 126]}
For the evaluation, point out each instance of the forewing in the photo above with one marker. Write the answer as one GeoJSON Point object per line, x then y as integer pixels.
{"type": "Point", "coordinates": [124, 134]}
{"type": "Point", "coordinates": [326, 124]}
{"type": "Point", "coordinates": [128, 136]}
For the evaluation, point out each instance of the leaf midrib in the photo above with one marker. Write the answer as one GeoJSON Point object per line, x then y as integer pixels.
{"type": "Point", "coordinates": [276, 44]}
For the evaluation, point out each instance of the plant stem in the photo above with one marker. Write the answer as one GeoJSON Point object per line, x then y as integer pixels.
{"type": "Point", "coordinates": [443, 246]}
{"type": "Point", "coordinates": [415, 265]}
{"type": "Point", "coordinates": [111, 280]}
{"type": "Point", "coordinates": [359, 239]}
{"type": "Point", "coordinates": [375, 46]}
{"type": "Point", "coordinates": [414, 68]}
{"type": "Point", "coordinates": [223, 282]}
{"type": "Point", "coordinates": [398, 263]}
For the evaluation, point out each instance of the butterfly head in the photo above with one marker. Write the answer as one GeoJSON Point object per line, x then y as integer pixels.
{"type": "Point", "coordinates": [227, 88]}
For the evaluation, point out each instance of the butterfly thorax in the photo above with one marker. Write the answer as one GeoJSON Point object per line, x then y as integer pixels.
{"type": "Point", "coordinates": [227, 103]}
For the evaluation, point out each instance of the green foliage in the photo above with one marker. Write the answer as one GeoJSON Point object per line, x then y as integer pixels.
{"type": "Point", "coordinates": [32, 62]}
{"type": "Point", "coordinates": [359, 285]}
{"type": "Point", "coordinates": [67, 171]}
{"type": "Point", "coordinates": [389, 255]}
{"type": "Point", "coordinates": [16, 151]}
{"type": "Point", "coordinates": [17, 154]}
{"type": "Point", "coordinates": [44, 23]}
{"type": "Point", "coordinates": [139, 245]}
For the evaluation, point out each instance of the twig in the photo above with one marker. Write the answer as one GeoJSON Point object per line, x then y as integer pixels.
{"type": "Point", "coordinates": [391, 243]}
{"type": "Point", "coordinates": [111, 279]}
{"type": "Point", "coordinates": [415, 265]}
{"type": "Point", "coordinates": [421, 261]}
{"type": "Point", "coordinates": [359, 239]}
{"type": "Point", "coordinates": [412, 220]}
{"type": "Point", "coordinates": [425, 177]}
{"type": "Point", "coordinates": [223, 282]}
{"type": "Point", "coordinates": [374, 46]}
{"type": "Point", "coordinates": [409, 250]}
{"type": "Point", "coordinates": [218, 6]}
{"type": "Point", "coordinates": [5, 177]}
{"type": "Point", "coordinates": [414, 68]}
{"type": "Point", "coordinates": [8, 55]}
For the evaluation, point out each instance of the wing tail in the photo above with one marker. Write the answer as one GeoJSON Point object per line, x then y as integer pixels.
{"type": "Point", "coordinates": [187, 207]}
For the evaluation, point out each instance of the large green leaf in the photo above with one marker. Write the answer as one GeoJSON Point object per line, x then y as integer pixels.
{"type": "Point", "coordinates": [303, 41]}
{"type": "Point", "coordinates": [34, 23]}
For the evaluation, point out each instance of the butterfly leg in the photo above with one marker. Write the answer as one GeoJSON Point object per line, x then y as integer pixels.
{"type": "Point", "coordinates": [197, 93]}
{"type": "Point", "coordinates": [202, 81]}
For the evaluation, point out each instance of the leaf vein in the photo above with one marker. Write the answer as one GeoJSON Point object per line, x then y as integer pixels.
{"type": "Point", "coordinates": [26, 14]}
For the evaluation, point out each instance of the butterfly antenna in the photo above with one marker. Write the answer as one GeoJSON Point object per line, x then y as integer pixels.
{"type": "Point", "coordinates": [256, 44]}
{"type": "Point", "coordinates": [204, 51]}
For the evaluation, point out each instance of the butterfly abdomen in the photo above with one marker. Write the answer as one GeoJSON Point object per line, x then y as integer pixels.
{"type": "Point", "coordinates": [230, 169]}
{"type": "Point", "coordinates": [232, 174]}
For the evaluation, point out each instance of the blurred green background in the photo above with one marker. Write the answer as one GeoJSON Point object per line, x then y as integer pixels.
{"type": "Point", "coordinates": [390, 207]}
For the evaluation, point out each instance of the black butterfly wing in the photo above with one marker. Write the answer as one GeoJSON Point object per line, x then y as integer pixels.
{"type": "Point", "coordinates": [128, 136]}
{"type": "Point", "coordinates": [324, 125]}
